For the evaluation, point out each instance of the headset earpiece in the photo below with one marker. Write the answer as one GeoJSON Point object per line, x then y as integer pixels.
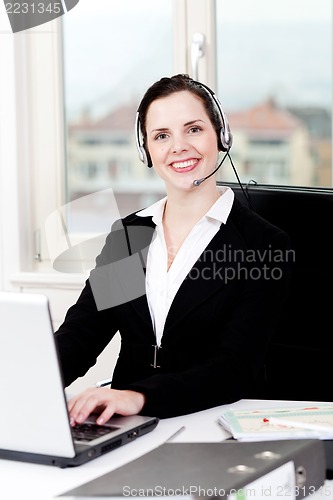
{"type": "Point", "coordinates": [143, 155]}
{"type": "Point", "coordinates": [224, 139]}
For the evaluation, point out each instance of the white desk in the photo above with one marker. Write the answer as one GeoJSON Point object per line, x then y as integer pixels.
{"type": "Point", "coordinates": [20, 480]}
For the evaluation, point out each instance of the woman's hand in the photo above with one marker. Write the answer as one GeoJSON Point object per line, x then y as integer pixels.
{"type": "Point", "coordinates": [104, 401]}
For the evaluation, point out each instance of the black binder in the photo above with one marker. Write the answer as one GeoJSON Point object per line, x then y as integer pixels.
{"type": "Point", "coordinates": [216, 470]}
{"type": "Point", "coordinates": [328, 445]}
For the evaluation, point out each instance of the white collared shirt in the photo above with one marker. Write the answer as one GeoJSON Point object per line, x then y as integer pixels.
{"type": "Point", "coordinates": [162, 284]}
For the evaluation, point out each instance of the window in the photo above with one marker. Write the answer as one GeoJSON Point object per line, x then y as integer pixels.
{"type": "Point", "coordinates": [274, 78]}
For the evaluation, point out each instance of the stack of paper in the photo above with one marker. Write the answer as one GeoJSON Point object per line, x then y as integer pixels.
{"type": "Point", "coordinates": [279, 423]}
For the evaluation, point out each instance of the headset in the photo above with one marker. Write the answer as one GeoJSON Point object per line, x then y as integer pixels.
{"type": "Point", "coordinates": [224, 136]}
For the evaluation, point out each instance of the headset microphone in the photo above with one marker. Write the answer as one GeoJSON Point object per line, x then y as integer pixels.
{"type": "Point", "coordinates": [197, 182]}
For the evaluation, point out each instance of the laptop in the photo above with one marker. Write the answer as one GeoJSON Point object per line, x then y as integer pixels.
{"type": "Point", "coordinates": [35, 426]}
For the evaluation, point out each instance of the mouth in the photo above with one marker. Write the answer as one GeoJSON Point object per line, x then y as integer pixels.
{"type": "Point", "coordinates": [185, 165]}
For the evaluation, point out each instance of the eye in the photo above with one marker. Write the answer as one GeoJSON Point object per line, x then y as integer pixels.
{"type": "Point", "coordinates": [161, 136]}
{"type": "Point", "coordinates": [195, 130]}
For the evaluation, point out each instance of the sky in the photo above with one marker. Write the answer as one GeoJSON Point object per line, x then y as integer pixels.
{"type": "Point", "coordinates": [107, 62]}
{"type": "Point", "coordinates": [278, 10]}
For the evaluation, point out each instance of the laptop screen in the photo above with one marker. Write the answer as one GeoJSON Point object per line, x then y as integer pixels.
{"type": "Point", "coordinates": [31, 389]}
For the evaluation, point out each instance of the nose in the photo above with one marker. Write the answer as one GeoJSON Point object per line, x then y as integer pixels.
{"type": "Point", "coordinates": [178, 144]}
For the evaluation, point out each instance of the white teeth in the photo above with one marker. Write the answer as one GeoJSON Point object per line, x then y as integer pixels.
{"type": "Point", "coordinates": [184, 164]}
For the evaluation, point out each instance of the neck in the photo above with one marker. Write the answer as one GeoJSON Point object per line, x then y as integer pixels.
{"type": "Point", "coordinates": [190, 206]}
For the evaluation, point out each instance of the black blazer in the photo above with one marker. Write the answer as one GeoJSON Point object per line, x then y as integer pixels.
{"type": "Point", "coordinates": [218, 327]}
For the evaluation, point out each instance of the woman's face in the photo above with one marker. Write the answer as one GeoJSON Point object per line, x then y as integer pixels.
{"type": "Point", "coordinates": [181, 139]}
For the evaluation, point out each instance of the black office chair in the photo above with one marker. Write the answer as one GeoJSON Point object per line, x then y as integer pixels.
{"type": "Point", "coordinates": [299, 362]}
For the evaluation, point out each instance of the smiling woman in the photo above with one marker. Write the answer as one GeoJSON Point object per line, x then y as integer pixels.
{"type": "Point", "coordinates": [184, 320]}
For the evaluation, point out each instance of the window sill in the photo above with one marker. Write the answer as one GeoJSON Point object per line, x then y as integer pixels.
{"type": "Point", "coordinates": [48, 280]}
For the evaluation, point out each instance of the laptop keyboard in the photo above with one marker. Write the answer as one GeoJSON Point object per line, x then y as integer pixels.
{"type": "Point", "coordinates": [88, 432]}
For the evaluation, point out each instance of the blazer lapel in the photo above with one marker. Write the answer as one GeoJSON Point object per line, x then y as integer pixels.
{"type": "Point", "coordinates": [140, 231]}
{"type": "Point", "coordinates": [206, 276]}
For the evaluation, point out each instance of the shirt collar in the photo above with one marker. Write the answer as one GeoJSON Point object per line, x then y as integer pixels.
{"type": "Point", "coordinates": [219, 211]}
{"type": "Point", "coordinates": [155, 211]}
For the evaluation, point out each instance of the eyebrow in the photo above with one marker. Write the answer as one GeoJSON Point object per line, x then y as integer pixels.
{"type": "Point", "coordinates": [163, 129]}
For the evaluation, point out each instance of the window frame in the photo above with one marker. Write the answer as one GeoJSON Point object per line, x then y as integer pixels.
{"type": "Point", "coordinates": [32, 131]}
